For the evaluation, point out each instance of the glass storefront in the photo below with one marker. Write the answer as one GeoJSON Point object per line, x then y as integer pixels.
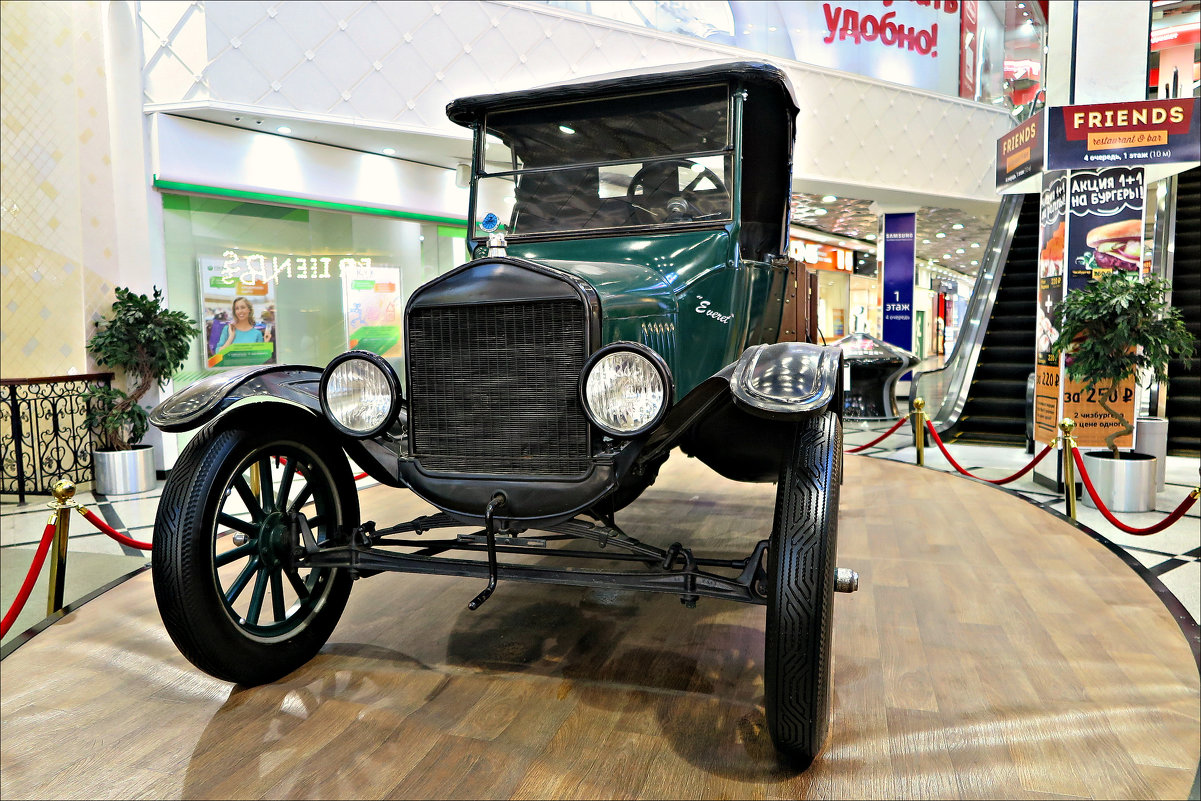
{"type": "Point", "coordinates": [282, 285]}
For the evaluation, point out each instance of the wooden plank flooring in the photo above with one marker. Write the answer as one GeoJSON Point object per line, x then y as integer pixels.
{"type": "Point", "coordinates": [992, 652]}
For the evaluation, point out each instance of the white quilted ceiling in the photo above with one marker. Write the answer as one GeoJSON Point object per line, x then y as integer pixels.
{"type": "Point", "coordinates": [372, 75]}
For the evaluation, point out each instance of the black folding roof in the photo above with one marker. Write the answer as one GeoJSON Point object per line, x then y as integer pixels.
{"type": "Point", "coordinates": [467, 110]}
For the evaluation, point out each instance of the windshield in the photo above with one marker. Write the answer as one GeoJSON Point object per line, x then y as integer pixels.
{"type": "Point", "coordinates": [651, 159]}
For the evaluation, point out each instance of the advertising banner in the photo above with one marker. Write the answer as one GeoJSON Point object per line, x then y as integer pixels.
{"type": "Point", "coordinates": [1106, 210]}
{"type": "Point", "coordinates": [238, 317]}
{"type": "Point", "coordinates": [1020, 152]}
{"type": "Point", "coordinates": [1124, 134]}
{"type": "Point", "coordinates": [899, 232]}
{"type": "Point", "coordinates": [1051, 246]}
{"type": "Point", "coordinates": [373, 315]}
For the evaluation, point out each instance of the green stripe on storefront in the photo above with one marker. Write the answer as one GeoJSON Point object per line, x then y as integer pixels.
{"type": "Point", "coordinates": [266, 197]}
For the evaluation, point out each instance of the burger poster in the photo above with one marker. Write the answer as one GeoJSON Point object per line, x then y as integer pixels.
{"type": "Point", "coordinates": [1106, 210]}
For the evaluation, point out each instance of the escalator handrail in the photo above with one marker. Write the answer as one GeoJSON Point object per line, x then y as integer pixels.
{"type": "Point", "coordinates": [945, 390]}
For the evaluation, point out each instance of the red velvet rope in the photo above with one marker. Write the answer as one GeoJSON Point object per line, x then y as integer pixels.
{"type": "Point", "coordinates": [879, 438]}
{"type": "Point", "coordinates": [283, 460]}
{"type": "Point", "coordinates": [1140, 532]}
{"type": "Point", "coordinates": [31, 578]}
{"type": "Point", "coordinates": [105, 528]}
{"type": "Point", "coordinates": [1014, 477]}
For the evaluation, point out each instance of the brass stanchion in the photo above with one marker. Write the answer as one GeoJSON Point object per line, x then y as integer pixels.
{"type": "Point", "coordinates": [919, 432]}
{"type": "Point", "coordinates": [1067, 443]}
{"type": "Point", "coordinates": [64, 493]}
{"type": "Point", "coordinates": [255, 485]}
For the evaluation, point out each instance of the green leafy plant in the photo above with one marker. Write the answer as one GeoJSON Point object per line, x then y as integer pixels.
{"type": "Point", "coordinates": [1114, 327]}
{"type": "Point", "coordinates": [147, 341]}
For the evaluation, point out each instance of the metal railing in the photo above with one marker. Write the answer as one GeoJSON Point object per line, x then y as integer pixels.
{"type": "Point", "coordinates": [42, 432]}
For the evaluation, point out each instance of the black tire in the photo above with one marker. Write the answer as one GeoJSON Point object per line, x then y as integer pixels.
{"type": "Point", "coordinates": [201, 575]}
{"type": "Point", "coordinates": [800, 557]}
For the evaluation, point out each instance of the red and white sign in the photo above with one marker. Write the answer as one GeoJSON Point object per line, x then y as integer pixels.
{"type": "Point", "coordinates": [817, 256]}
{"type": "Point", "coordinates": [967, 48]}
{"type": "Point", "coordinates": [1175, 36]}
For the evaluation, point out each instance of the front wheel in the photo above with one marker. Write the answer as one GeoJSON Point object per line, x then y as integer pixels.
{"type": "Point", "coordinates": [797, 686]}
{"type": "Point", "coordinates": [228, 586]}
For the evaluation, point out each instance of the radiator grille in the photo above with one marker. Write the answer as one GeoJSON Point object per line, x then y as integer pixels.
{"type": "Point", "coordinates": [494, 388]}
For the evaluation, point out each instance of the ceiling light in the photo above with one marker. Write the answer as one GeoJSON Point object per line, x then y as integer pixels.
{"type": "Point", "coordinates": [946, 255]}
{"type": "Point", "coordinates": [819, 212]}
{"type": "Point", "coordinates": [870, 236]}
{"type": "Point", "coordinates": [975, 244]}
{"type": "Point", "coordinates": [974, 262]}
{"type": "Point", "coordinates": [941, 235]}
{"type": "Point", "coordinates": [283, 129]}
{"type": "Point", "coordinates": [959, 250]}
{"type": "Point", "coordinates": [958, 226]}
{"type": "Point", "coordinates": [565, 129]}
{"type": "Point", "coordinates": [388, 151]}
{"type": "Point", "coordinates": [925, 241]}
{"type": "Point", "coordinates": [829, 199]}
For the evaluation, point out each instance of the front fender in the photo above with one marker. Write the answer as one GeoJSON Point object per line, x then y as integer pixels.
{"type": "Point", "coordinates": [787, 380]}
{"type": "Point", "coordinates": [257, 392]}
{"type": "Point", "coordinates": [205, 400]}
{"type": "Point", "coordinates": [739, 421]}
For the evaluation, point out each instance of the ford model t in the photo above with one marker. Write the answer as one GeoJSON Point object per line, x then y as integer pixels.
{"type": "Point", "coordinates": [624, 299]}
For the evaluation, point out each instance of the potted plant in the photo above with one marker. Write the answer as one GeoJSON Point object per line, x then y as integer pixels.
{"type": "Point", "coordinates": [149, 342]}
{"type": "Point", "coordinates": [1112, 329]}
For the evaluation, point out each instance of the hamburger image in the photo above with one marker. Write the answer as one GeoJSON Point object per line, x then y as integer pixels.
{"type": "Point", "coordinates": [1117, 246]}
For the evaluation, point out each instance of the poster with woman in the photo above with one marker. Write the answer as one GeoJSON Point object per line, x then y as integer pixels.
{"type": "Point", "coordinates": [239, 318]}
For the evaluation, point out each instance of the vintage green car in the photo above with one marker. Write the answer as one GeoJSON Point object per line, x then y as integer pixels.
{"type": "Point", "coordinates": [624, 298]}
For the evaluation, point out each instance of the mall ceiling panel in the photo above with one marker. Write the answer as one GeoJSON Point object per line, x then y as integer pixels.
{"type": "Point", "coordinates": [963, 236]}
{"type": "Point", "coordinates": [855, 131]}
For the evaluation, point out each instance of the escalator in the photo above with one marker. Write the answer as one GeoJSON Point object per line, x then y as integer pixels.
{"type": "Point", "coordinates": [979, 396]}
{"type": "Point", "coordinates": [1183, 406]}
{"type": "Point", "coordinates": [995, 410]}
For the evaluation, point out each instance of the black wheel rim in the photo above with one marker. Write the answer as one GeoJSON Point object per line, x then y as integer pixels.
{"type": "Point", "coordinates": [256, 538]}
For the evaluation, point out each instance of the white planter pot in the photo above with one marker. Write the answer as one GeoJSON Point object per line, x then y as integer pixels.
{"type": "Point", "coordinates": [1124, 485]}
{"type": "Point", "coordinates": [124, 472]}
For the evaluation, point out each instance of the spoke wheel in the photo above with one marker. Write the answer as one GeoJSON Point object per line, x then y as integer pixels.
{"type": "Point", "coordinates": [233, 593]}
{"type": "Point", "coordinates": [797, 687]}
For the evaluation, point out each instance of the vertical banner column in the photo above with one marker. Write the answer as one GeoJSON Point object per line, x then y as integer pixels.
{"type": "Point", "coordinates": [1106, 210]}
{"type": "Point", "coordinates": [1091, 224]}
{"type": "Point", "coordinates": [899, 232]}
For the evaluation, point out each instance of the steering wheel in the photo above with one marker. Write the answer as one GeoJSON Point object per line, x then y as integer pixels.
{"type": "Point", "coordinates": [658, 182]}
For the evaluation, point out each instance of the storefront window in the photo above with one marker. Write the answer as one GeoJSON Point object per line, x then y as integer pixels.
{"type": "Point", "coordinates": [281, 285]}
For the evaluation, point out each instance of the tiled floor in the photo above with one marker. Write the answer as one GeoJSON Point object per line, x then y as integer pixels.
{"type": "Point", "coordinates": [94, 560]}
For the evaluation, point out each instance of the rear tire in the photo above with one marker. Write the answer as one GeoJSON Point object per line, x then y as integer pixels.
{"type": "Point", "coordinates": [801, 591]}
{"type": "Point", "coordinates": [246, 612]}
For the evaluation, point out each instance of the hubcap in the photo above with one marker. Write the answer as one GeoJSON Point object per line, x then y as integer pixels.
{"type": "Point", "coordinates": [274, 540]}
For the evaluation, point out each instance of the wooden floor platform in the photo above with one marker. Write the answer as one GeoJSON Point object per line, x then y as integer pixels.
{"type": "Point", "coordinates": [993, 651]}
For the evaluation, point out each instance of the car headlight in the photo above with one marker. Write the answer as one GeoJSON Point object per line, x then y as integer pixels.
{"type": "Point", "coordinates": [360, 393]}
{"type": "Point", "coordinates": [626, 389]}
